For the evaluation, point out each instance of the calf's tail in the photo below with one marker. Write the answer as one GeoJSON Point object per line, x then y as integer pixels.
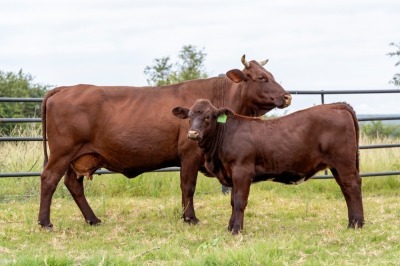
{"type": "Point", "coordinates": [357, 128]}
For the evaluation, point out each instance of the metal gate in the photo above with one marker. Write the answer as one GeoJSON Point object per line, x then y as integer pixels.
{"type": "Point", "coordinates": [322, 93]}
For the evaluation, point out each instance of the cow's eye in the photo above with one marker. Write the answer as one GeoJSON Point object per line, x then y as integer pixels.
{"type": "Point", "coordinates": [262, 79]}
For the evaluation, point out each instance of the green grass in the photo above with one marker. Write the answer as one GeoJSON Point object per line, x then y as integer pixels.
{"type": "Point", "coordinates": [284, 225]}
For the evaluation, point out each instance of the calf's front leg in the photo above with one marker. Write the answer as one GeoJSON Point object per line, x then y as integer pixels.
{"type": "Point", "coordinates": [240, 194]}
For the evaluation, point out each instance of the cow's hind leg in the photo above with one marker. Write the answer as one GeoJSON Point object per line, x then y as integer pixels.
{"type": "Point", "coordinates": [75, 187]}
{"type": "Point", "coordinates": [49, 180]}
{"type": "Point", "coordinates": [350, 184]}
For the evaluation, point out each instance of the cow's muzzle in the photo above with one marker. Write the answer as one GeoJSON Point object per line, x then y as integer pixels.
{"type": "Point", "coordinates": [193, 134]}
{"type": "Point", "coordinates": [287, 98]}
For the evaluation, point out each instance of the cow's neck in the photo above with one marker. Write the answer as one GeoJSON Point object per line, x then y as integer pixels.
{"type": "Point", "coordinates": [224, 95]}
{"type": "Point", "coordinates": [222, 92]}
{"type": "Point", "coordinates": [235, 97]}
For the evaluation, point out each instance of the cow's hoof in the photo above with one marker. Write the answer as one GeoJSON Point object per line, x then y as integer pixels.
{"type": "Point", "coordinates": [94, 222]}
{"type": "Point", "coordinates": [355, 224]}
{"type": "Point", "coordinates": [191, 220]}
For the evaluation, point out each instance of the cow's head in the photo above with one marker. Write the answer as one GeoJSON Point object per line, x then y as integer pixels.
{"type": "Point", "coordinates": [259, 87]}
{"type": "Point", "coordinates": [203, 118]}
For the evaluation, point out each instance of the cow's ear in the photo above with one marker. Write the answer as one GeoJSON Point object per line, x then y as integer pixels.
{"type": "Point", "coordinates": [223, 115]}
{"type": "Point", "coordinates": [181, 112]}
{"type": "Point", "coordinates": [236, 75]}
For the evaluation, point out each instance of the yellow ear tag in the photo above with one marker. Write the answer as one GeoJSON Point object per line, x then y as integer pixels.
{"type": "Point", "coordinates": [222, 119]}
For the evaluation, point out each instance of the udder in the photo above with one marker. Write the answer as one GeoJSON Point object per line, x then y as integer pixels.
{"type": "Point", "coordinates": [87, 164]}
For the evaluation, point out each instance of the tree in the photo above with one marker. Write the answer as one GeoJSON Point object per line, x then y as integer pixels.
{"type": "Point", "coordinates": [377, 129]}
{"type": "Point", "coordinates": [19, 85]}
{"type": "Point", "coordinates": [396, 78]}
{"type": "Point", "coordinates": [190, 66]}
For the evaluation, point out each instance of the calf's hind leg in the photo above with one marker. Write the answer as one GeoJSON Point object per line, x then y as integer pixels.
{"type": "Point", "coordinates": [75, 187]}
{"type": "Point", "coordinates": [350, 184]}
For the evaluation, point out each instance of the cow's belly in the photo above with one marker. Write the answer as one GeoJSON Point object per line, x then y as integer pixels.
{"type": "Point", "coordinates": [136, 163]}
{"type": "Point", "coordinates": [87, 164]}
{"type": "Point", "coordinates": [130, 159]}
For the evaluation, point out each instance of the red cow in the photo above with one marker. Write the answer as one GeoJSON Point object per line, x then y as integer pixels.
{"type": "Point", "coordinates": [240, 150]}
{"type": "Point", "coordinates": [131, 130]}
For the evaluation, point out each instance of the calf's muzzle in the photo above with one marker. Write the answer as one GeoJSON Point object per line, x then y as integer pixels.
{"type": "Point", "coordinates": [193, 134]}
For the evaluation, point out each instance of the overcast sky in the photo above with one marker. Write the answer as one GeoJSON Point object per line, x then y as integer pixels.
{"type": "Point", "coordinates": [311, 44]}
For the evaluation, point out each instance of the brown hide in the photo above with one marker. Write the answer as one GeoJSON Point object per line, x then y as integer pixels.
{"type": "Point", "coordinates": [131, 130]}
{"type": "Point", "coordinates": [290, 149]}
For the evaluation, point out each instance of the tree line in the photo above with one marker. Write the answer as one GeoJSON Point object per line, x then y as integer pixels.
{"type": "Point", "coordinates": [163, 71]}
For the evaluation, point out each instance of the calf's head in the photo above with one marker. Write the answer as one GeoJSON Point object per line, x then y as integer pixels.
{"type": "Point", "coordinates": [203, 119]}
{"type": "Point", "coordinates": [259, 88]}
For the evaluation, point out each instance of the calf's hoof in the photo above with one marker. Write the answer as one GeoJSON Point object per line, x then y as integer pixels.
{"type": "Point", "coordinates": [191, 220]}
{"type": "Point", "coordinates": [48, 227]}
{"type": "Point", "coordinates": [235, 230]}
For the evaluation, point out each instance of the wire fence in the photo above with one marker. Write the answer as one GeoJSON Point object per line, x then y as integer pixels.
{"type": "Point", "coordinates": [169, 169]}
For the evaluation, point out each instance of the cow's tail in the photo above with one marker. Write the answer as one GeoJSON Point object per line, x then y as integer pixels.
{"type": "Point", "coordinates": [44, 126]}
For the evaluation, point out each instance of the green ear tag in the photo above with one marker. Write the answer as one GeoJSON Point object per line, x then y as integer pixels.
{"type": "Point", "coordinates": [222, 118]}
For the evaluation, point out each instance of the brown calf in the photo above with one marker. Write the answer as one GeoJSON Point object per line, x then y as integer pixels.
{"type": "Point", "coordinates": [240, 150]}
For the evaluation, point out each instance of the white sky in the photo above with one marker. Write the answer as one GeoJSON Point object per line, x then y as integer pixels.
{"type": "Point", "coordinates": [311, 44]}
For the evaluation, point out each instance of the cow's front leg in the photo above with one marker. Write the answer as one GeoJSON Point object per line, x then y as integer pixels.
{"type": "Point", "coordinates": [188, 186]}
{"type": "Point", "coordinates": [232, 219]}
{"type": "Point", "coordinates": [240, 194]}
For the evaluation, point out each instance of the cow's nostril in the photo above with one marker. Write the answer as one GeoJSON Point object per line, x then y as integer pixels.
{"type": "Point", "coordinates": [288, 99]}
{"type": "Point", "coordinates": [287, 96]}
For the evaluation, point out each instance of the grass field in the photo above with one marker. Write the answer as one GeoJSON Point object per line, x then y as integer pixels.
{"type": "Point", "coordinates": [284, 225]}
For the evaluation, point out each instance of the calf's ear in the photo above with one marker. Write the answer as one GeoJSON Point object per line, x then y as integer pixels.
{"type": "Point", "coordinates": [236, 75]}
{"type": "Point", "coordinates": [181, 112]}
{"type": "Point", "coordinates": [223, 115]}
